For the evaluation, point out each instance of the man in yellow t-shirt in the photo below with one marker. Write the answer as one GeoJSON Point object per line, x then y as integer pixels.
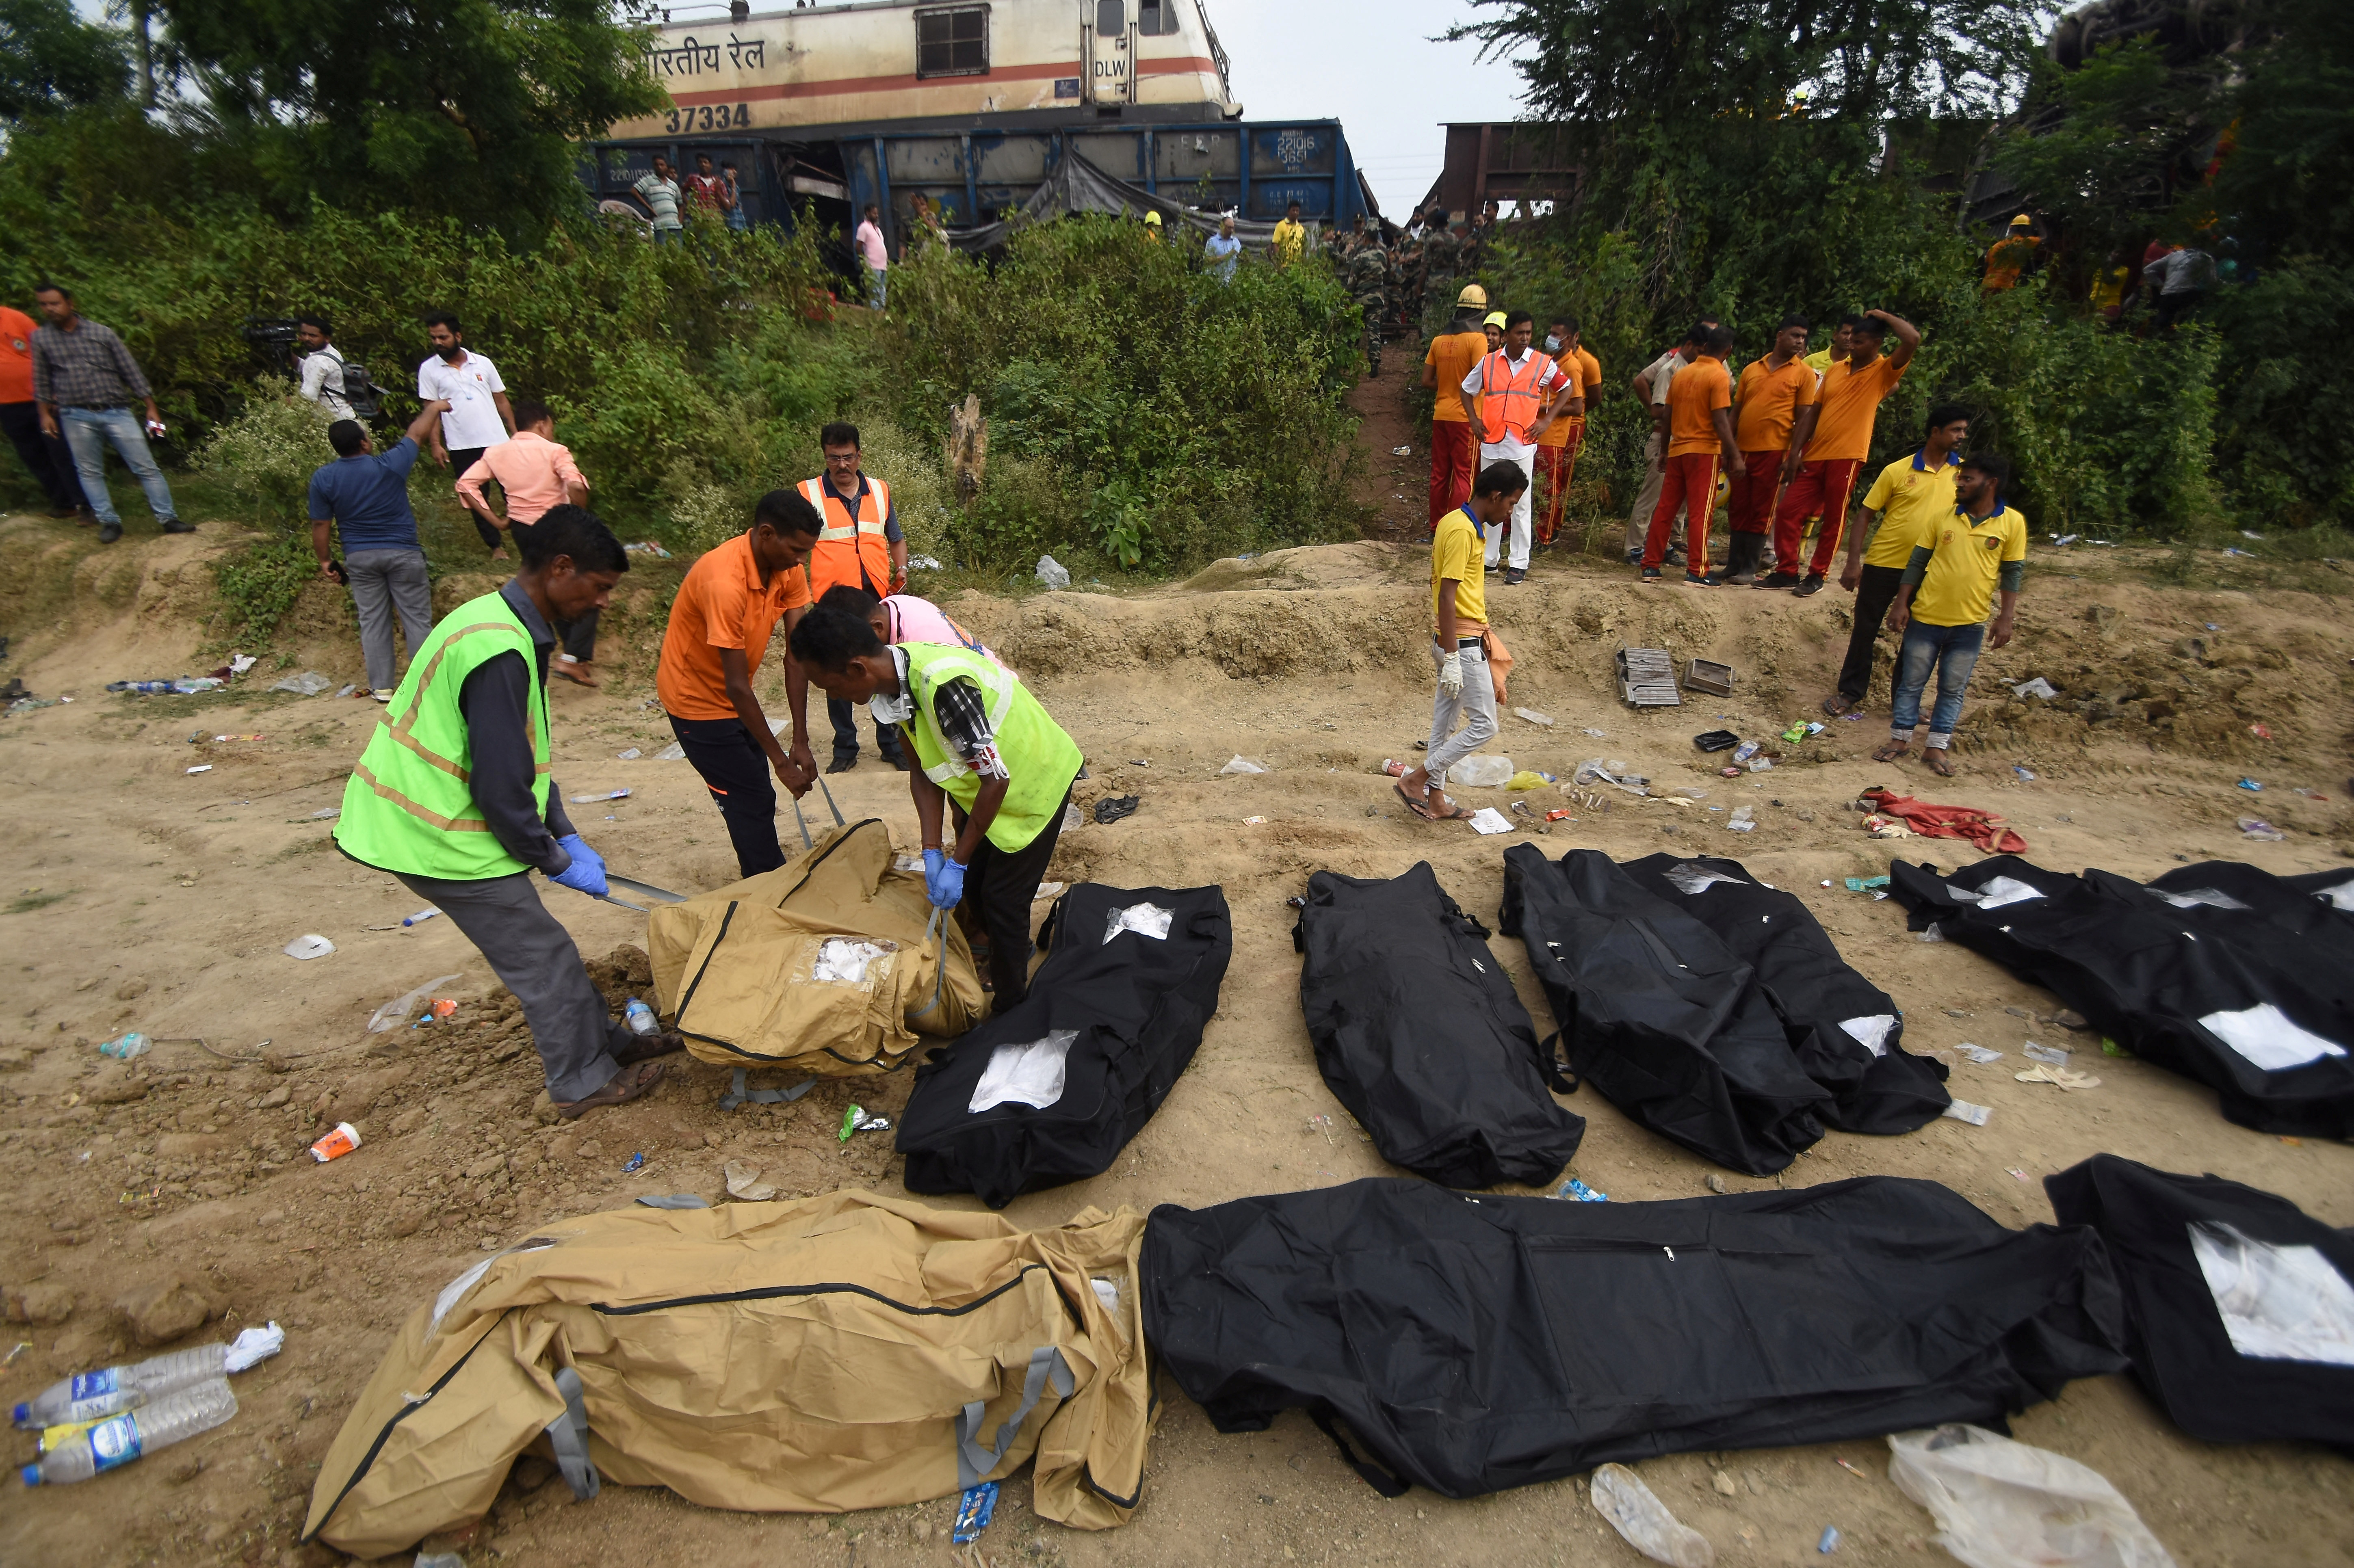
{"type": "Point", "coordinates": [1289, 236]}
{"type": "Point", "coordinates": [1977, 549]}
{"type": "Point", "coordinates": [1458, 611]}
{"type": "Point", "coordinates": [1454, 444]}
{"type": "Point", "coordinates": [1842, 342]}
{"type": "Point", "coordinates": [1911, 495]}
{"type": "Point", "coordinates": [1557, 448]}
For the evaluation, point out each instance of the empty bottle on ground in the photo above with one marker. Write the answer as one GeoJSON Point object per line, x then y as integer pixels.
{"type": "Point", "coordinates": [116, 1441]}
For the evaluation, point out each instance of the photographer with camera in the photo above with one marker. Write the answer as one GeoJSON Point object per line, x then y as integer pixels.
{"type": "Point", "coordinates": [366, 497]}
{"type": "Point", "coordinates": [323, 366]}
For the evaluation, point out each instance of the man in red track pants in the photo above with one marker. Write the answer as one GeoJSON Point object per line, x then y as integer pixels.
{"type": "Point", "coordinates": [1835, 437]}
{"type": "Point", "coordinates": [1454, 443]}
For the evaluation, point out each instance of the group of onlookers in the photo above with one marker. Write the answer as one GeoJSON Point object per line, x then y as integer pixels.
{"type": "Point", "coordinates": [69, 389]}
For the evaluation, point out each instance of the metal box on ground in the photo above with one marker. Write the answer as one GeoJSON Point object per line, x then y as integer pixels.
{"type": "Point", "coordinates": [1647, 678]}
{"type": "Point", "coordinates": [1704, 675]}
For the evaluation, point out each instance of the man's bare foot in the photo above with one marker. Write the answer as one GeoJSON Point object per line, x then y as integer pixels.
{"type": "Point", "coordinates": [1894, 751]}
{"type": "Point", "coordinates": [499, 555]}
{"type": "Point", "coordinates": [579, 672]}
{"type": "Point", "coordinates": [1936, 758]}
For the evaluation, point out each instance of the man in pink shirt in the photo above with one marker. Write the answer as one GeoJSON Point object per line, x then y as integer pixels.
{"type": "Point", "coordinates": [535, 474]}
{"type": "Point", "coordinates": [875, 254]}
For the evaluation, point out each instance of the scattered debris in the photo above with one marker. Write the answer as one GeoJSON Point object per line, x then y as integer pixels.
{"type": "Point", "coordinates": [1717, 740]}
{"type": "Point", "coordinates": [1705, 675]}
{"type": "Point", "coordinates": [337, 1144]}
{"type": "Point", "coordinates": [2061, 1076]}
{"type": "Point", "coordinates": [1533, 717]}
{"type": "Point", "coordinates": [1240, 764]}
{"type": "Point", "coordinates": [1647, 678]}
{"type": "Point", "coordinates": [310, 945]}
{"type": "Point", "coordinates": [1111, 809]}
{"type": "Point", "coordinates": [309, 683]}
{"type": "Point", "coordinates": [2258, 828]}
{"type": "Point", "coordinates": [2037, 688]}
{"type": "Point", "coordinates": [1962, 1110]}
{"type": "Point", "coordinates": [1578, 1191]}
{"type": "Point", "coordinates": [1488, 820]}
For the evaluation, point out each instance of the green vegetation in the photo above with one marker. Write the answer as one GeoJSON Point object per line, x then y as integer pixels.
{"type": "Point", "coordinates": [1142, 417]}
{"type": "Point", "coordinates": [1749, 158]}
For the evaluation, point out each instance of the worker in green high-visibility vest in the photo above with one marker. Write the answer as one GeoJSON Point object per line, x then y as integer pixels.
{"type": "Point", "coordinates": [454, 796]}
{"type": "Point", "coordinates": [981, 741]}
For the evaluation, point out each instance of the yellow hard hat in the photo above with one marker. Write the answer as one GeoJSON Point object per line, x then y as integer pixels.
{"type": "Point", "coordinates": [1153, 218]}
{"type": "Point", "coordinates": [2021, 221]}
{"type": "Point", "coordinates": [1494, 319]}
{"type": "Point", "coordinates": [1472, 294]}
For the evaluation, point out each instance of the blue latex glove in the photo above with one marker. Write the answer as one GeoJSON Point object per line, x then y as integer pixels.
{"type": "Point", "coordinates": [587, 872]}
{"type": "Point", "coordinates": [932, 859]}
{"type": "Point", "coordinates": [944, 882]}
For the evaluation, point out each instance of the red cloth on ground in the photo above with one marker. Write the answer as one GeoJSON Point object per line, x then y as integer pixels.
{"type": "Point", "coordinates": [1984, 829]}
{"type": "Point", "coordinates": [1454, 464]}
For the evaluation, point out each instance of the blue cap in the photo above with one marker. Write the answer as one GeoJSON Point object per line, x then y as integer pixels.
{"type": "Point", "coordinates": [24, 1414]}
{"type": "Point", "coordinates": [32, 1474]}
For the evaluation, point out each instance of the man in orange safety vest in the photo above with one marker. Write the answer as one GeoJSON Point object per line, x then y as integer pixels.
{"type": "Point", "coordinates": [1513, 395]}
{"type": "Point", "coordinates": [862, 546]}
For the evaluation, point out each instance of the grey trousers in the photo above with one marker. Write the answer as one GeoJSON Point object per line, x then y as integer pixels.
{"type": "Point", "coordinates": [534, 956]}
{"type": "Point", "coordinates": [384, 582]}
{"type": "Point", "coordinates": [1474, 707]}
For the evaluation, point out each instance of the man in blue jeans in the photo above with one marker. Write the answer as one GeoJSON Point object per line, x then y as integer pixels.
{"type": "Point", "coordinates": [1976, 550]}
{"type": "Point", "coordinates": [85, 382]}
{"type": "Point", "coordinates": [367, 497]}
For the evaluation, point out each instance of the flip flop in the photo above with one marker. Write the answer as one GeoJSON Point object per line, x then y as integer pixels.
{"type": "Point", "coordinates": [1417, 807]}
{"type": "Point", "coordinates": [1894, 751]}
{"type": "Point", "coordinates": [1936, 758]}
{"type": "Point", "coordinates": [629, 1084]}
{"type": "Point", "coordinates": [1838, 706]}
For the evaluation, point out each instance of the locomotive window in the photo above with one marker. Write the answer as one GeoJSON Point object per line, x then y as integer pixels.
{"type": "Point", "coordinates": [953, 42]}
{"type": "Point", "coordinates": [1156, 16]}
{"type": "Point", "coordinates": [1111, 19]}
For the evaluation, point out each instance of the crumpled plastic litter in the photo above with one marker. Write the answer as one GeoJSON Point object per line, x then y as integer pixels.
{"type": "Point", "coordinates": [391, 1013]}
{"type": "Point", "coordinates": [2003, 1504]}
{"type": "Point", "coordinates": [1241, 764]}
{"type": "Point", "coordinates": [1595, 770]}
{"type": "Point", "coordinates": [310, 945]}
{"type": "Point", "coordinates": [744, 1182]}
{"type": "Point", "coordinates": [2037, 688]}
{"type": "Point", "coordinates": [2259, 828]}
{"type": "Point", "coordinates": [1634, 1511]}
{"type": "Point", "coordinates": [1111, 809]}
{"type": "Point", "coordinates": [1052, 573]}
{"type": "Point", "coordinates": [309, 683]}
{"type": "Point", "coordinates": [1528, 779]}
{"type": "Point", "coordinates": [674, 752]}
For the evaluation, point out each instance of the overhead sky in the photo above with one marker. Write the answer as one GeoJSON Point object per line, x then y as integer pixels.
{"type": "Point", "coordinates": [1366, 64]}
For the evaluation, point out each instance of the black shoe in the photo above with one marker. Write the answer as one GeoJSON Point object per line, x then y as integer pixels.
{"type": "Point", "coordinates": [1812, 585]}
{"type": "Point", "coordinates": [1699, 580]}
{"type": "Point", "coordinates": [843, 764]}
{"type": "Point", "coordinates": [108, 533]}
{"type": "Point", "coordinates": [1778, 580]}
{"type": "Point", "coordinates": [1634, 553]}
{"type": "Point", "coordinates": [1515, 577]}
{"type": "Point", "coordinates": [1676, 555]}
{"type": "Point", "coordinates": [176, 527]}
{"type": "Point", "coordinates": [899, 762]}
{"type": "Point", "coordinates": [1650, 574]}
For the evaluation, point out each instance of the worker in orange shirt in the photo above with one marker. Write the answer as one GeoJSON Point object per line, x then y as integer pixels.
{"type": "Point", "coordinates": [1829, 444]}
{"type": "Point", "coordinates": [861, 544]}
{"type": "Point", "coordinates": [1773, 392]}
{"type": "Point", "coordinates": [2006, 258]}
{"type": "Point", "coordinates": [1454, 445]}
{"type": "Point", "coordinates": [1699, 434]}
{"type": "Point", "coordinates": [1557, 448]}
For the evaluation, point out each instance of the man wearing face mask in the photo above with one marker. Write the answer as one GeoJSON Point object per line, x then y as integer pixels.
{"type": "Point", "coordinates": [479, 417]}
{"type": "Point", "coordinates": [453, 797]}
{"type": "Point", "coordinates": [1557, 448]}
{"type": "Point", "coordinates": [979, 739]}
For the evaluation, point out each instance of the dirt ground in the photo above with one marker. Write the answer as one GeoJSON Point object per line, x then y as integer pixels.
{"type": "Point", "coordinates": [142, 896]}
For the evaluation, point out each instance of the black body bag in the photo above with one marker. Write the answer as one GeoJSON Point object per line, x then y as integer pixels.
{"type": "Point", "coordinates": [1418, 1032]}
{"type": "Point", "coordinates": [2239, 1306]}
{"type": "Point", "coordinates": [1477, 1342]}
{"type": "Point", "coordinates": [1659, 1013]}
{"type": "Point", "coordinates": [1052, 1090]}
{"type": "Point", "coordinates": [2219, 972]}
{"type": "Point", "coordinates": [1845, 1031]}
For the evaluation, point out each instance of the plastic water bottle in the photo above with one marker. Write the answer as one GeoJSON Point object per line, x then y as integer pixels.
{"type": "Point", "coordinates": [87, 1396]}
{"type": "Point", "coordinates": [119, 1439]}
{"type": "Point", "coordinates": [642, 1019]}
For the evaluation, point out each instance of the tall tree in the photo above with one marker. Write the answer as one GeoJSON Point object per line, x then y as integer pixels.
{"type": "Point", "coordinates": [52, 60]}
{"type": "Point", "coordinates": [470, 107]}
{"type": "Point", "coordinates": [1634, 63]}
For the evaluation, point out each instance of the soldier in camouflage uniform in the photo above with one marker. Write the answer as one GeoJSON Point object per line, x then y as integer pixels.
{"type": "Point", "coordinates": [1442, 260]}
{"type": "Point", "coordinates": [1368, 278]}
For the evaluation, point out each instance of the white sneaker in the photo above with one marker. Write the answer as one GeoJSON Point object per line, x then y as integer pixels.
{"type": "Point", "coordinates": [382, 694]}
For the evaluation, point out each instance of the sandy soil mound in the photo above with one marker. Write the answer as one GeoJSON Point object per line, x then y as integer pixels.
{"type": "Point", "coordinates": [143, 896]}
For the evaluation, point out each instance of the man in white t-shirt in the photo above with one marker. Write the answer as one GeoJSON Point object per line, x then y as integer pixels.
{"type": "Point", "coordinates": [323, 366]}
{"type": "Point", "coordinates": [875, 254]}
{"type": "Point", "coordinates": [479, 417]}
